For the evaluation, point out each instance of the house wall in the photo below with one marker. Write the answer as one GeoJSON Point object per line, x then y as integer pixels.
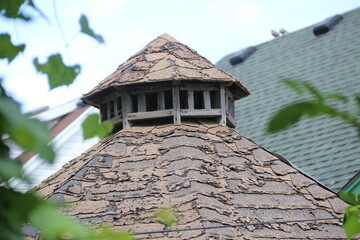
{"type": "Point", "coordinates": [68, 144]}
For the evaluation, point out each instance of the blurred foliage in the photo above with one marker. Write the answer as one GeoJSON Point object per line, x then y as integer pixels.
{"type": "Point", "coordinates": [85, 28]}
{"type": "Point", "coordinates": [167, 216]}
{"type": "Point", "coordinates": [322, 104]}
{"type": "Point", "coordinates": [318, 104]}
{"type": "Point", "coordinates": [12, 9]}
{"type": "Point", "coordinates": [18, 209]}
{"type": "Point", "coordinates": [92, 127]}
{"type": "Point", "coordinates": [351, 223]}
{"type": "Point", "coordinates": [107, 233]}
{"type": "Point", "coordinates": [57, 72]}
{"type": "Point", "coordinates": [28, 208]}
{"type": "Point", "coordinates": [350, 197]}
{"type": "Point", "coordinates": [27, 133]}
{"type": "Point", "coordinates": [7, 49]}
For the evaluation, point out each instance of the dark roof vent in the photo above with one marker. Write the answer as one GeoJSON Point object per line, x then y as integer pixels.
{"type": "Point", "coordinates": [242, 55]}
{"type": "Point", "coordinates": [327, 24]}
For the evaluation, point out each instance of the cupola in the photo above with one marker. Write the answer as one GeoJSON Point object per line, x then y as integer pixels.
{"type": "Point", "coordinates": [166, 80]}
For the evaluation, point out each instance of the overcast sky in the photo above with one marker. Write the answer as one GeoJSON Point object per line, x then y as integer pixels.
{"type": "Point", "coordinates": [214, 28]}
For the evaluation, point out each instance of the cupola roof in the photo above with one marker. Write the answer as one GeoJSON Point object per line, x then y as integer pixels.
{"type": "Point", "coordinates": [164, 59]}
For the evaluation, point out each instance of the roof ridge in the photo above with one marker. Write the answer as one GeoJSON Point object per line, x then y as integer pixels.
{"type": "Point", "coordinates": [287, 35]}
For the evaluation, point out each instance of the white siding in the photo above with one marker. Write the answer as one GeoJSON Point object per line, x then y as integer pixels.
{"type": "Point", "coordinates": [68, 145]}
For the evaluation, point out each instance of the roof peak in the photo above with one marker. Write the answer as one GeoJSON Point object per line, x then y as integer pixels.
{"type": "Point", "coordinates": [168, 37]}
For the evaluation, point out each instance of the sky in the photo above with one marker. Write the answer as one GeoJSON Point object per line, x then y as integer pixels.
{"type": "Point", "coordinates": [213, 28]}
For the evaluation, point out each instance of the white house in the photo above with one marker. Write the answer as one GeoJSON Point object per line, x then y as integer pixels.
{"type": "Point", "coordinates": [65, 123]}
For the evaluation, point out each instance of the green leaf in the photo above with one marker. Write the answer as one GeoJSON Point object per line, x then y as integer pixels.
{"type": "Point", "coordinates": [28, 133]}
{"type": "Point", "coordinates": [7, 49]}
{"type": "Point", "coordinates": [300, 86]}
{"type": "Point", "coordinates": [19, 208]}
{"type": "Point", "coordinates": [85, 28]}
{"type": "Point", "coordinates": [166, 216]}
{"type": "Point", "coordinates": [11, 9]}
{"type": "Point", "coordinates": [294, 85]}
{"type": "Point", "coordinates": [350, 197]}
{"type": "Point", "coordinates": [311, 89]}
{"type": "Point", "coordinates": [57, 226]}
{"type": "Point", "coordinates": [14, 211]}
{"type": "Point", "coordinates": [351, 222]}
{"type": "Point", "coordinates": [107, 233]}
{"type": "Point", "coordinates": [57, 72]}
{"type": "Point", "coordinates": [291, 114]}
{"type": "Point", "coordinates": [92, 127]}
{"type": "Point", "coordinates": [2, 90]}
{"type": "Point", "coordinates": [337, 96]}
{"type": "Point", "coordinates": [357, 100]}
{"type": "Point", "coordinates": [9, 168]}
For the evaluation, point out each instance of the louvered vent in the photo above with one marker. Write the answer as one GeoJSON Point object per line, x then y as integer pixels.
{"type": "Point", "coordinates": [326, 25]}
{"type": "Point", "coordinates": [242, 55]}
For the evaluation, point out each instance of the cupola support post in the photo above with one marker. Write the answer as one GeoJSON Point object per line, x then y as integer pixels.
{"type": "Point", "coordinates": [176, 104]}
{"type": "Point", "coordinates": [126, 108]}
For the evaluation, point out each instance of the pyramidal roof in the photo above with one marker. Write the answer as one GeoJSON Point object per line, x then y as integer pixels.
{"type": "Point", "coordinates": [164, 59]}
{"type": "Point", "coordinates": [210, 174]}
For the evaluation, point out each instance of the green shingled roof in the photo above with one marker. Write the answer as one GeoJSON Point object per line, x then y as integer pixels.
{"type": "Point", "coordinates": [327, 149]}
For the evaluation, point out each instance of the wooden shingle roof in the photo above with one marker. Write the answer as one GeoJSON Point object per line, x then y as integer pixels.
{"type": "Point", "coordinates": [210, 174]}
{"type": "Point", "coordinates": [163, 59]}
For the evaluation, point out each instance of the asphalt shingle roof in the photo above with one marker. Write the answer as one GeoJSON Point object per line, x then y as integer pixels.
{"type": "Point", "coordinates": [210, 174]}
{"type": "Point", "coordinates": [325, 148]}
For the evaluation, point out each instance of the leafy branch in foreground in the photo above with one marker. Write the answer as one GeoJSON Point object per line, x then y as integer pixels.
{"type": "Point", "coordinates": [85, 28]}
{"type": "Point", "coordinates": [91, 127]}
{"type": "Point", "coordinates": [318, 105]}
{"type": "Point", "coordinates": [31, 134]}
{"type": "Point", "coordinates": [351, 223]}
{"type": "Point", "coordinates": [17, 209]}
{"type": "Point", "coordinates": [58, 73]}
{"type": "Point", "coordinates": [167, 216]}
{"type": "Point", "coordinates": [7, 49]}
{"type": "Point", "coordinates": [11, 9]}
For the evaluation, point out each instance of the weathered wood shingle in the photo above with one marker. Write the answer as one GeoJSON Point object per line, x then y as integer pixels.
{"type": "Point", "coordinates": [211, 174]}
{"type": "Point", "coordinates": [164, 59]}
